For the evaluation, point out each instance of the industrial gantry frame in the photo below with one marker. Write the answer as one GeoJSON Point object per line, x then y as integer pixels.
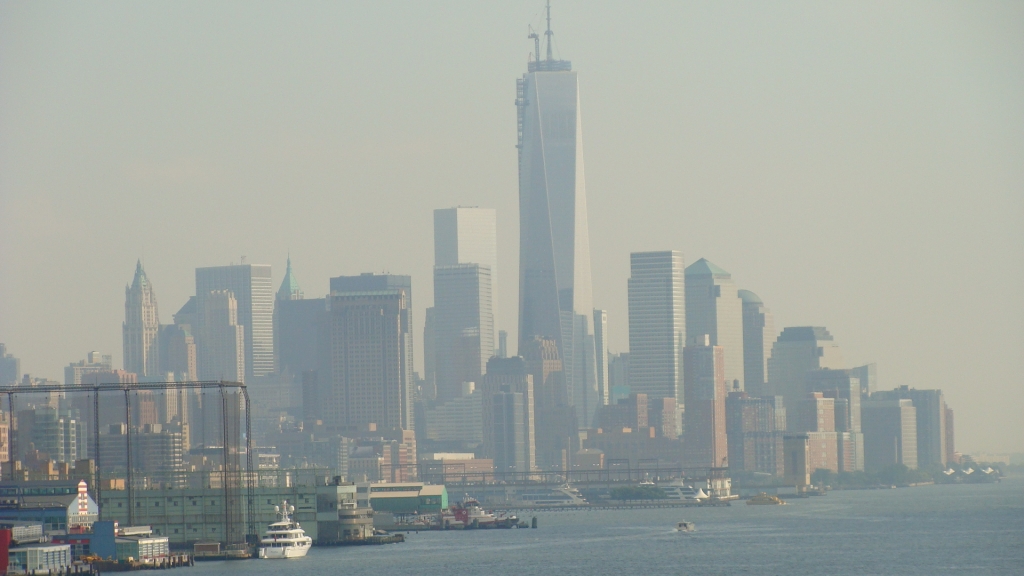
{"type": "Point", "coordinates": [127, 388]}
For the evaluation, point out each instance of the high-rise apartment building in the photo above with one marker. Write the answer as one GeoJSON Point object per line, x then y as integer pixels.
{"type": "Point", "coordinates": [657, 324]}
{"type": "Point", "coordinates": [57, 435]}
{"type": "Point", "coordinates": [10, 367]}
{"type": "Point", "coordinates": [300, 335]}
{"type": "Point", "coordinates": [754, 433]}
{"type": "Point", "coordinates": [509, 416]}
{"type": "Point", "coordinates": [555, 292]}
{"type": "Point", "coordinates": [601, 355]}
{"type": "Point", "coordinates": [463, 326]}
{"type": "Point", "coordinates": [618, 377]}
{"type": "Point", "coordinates": [251, 286]}
{"type": "Point", "coordinates": [868, 376]}
{"type": "Point", "coordinates": [758, 335]}
{"type": "Point", "coordinates": [178, 352]}
{"type": "Point", "coordinates": [890, 433]}
{"type": "Point", "coordinates": [370, 354]}
{"type": "Point", "coordinates": [93, 363]}
{"type": "Point", "coordinates": [713, 307]}
{"type": "Point", "coordinates": [845, 391]}
{"type": "Point", "coordinates": [638, 412]}
{"type": "Point", "coordinates": [178, 355]}
{"type": "Point", "coordinates": [797, 351]}
{"type": "Point", "coordinates": [429, 356]}
{"type": "Point", "coordinates": [222, 352]}
{"type": "Point", "coordinates": [951, 455]}
{"type": "Point", "coordinates": [556, 426]}
{"type": "Point", "coordinates": [705, 440]}
{"type": "Point", "coordinates": [141, 328]}
{"type": "Point", "coordinates": [930, 412]}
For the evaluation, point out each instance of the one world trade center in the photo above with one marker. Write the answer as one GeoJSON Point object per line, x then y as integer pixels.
{"type": "Point", "coordinates": [555, 299]}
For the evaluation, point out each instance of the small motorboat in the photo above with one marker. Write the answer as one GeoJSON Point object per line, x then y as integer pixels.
{"type": "Point", "coordinates": [685, 526]}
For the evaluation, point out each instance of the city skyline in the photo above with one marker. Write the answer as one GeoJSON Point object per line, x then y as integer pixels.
{"type": "Point", "coordinates": [639, 199]}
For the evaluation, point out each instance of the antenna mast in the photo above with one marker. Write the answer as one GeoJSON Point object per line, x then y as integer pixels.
{"type": "Point", "coordinates": [549, 33]}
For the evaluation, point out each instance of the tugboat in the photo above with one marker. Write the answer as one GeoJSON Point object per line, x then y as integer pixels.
{"type": "Point", "coordinates": [284, 538]}
{"type": "Point", "coordinates": [765, 499]}
{"type": "Point", "coordinates": [471, 513]}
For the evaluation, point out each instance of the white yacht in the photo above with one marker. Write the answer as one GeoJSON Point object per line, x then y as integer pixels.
{"type": "Point", "coordinates": [285, 538]}
{"type": "Point", "coordinates": [678, 490]}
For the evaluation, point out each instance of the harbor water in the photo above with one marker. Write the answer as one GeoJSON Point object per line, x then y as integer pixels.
{"type": "Point", "coordinates": [976, 529]}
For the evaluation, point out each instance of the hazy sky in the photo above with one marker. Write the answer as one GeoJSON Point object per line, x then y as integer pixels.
{"type": "Point", "coordinates": [860, 166]}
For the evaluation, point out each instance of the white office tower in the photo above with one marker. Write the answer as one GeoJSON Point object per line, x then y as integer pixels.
{"type": "Point", "coordinates": [222, 356]}
{"type": "Point", "coordinates": [555, 298]}
{"type": "Point", "coordinates": [798, 350]}
{"type": "Point", "coordinates": [463, 326]}
{"type": "Point", "coordinates": [141, 326]}
{"type": "Point", "coordinates": [758, 335]}
{"type": "Point", "coordinates": [251, 286]}
{"type": "Point", "coordinates": [657, 324]}
{"type": "Point", "coordinates": [714, 308]}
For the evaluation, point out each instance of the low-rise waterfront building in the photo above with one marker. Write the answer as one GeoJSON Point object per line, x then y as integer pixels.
{"type": "Point", "coordinates": [39, 559]}
{"type": "Point", "coordinates": [403, 497]}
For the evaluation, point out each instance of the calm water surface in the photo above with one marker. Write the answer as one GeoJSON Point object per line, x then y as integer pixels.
{"type": "Point", "coordinates": [924, 530]}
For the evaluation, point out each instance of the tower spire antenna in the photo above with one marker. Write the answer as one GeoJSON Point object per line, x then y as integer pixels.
{"type": "Point", "coordinates": [549, 33]}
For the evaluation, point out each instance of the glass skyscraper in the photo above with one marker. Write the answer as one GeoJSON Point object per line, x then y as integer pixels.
{"type": "Point", "coordinates": [555, 299]}
{"type": "Point", "coordinates": [251, 286]}
{"type": "Point", "coordinates": [657, 324]}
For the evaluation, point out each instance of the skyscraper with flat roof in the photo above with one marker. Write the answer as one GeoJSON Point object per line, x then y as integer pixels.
{"type": "Point", "coordinates": [797, 351]}
{"type": "Point", "coordinates": [705, 440]}
{"type": "Point", "coordinates": [890, 434]}
{"type": "Point", "coordinates": [370, 354]}
{"type": "Point", "coordinates": [509, 415]}
{"type": "Point", "coordinates": [141, 328]}
{"type": "Point", "coordinates": [714, 308]}
{"type": "Point", "coordinates": [758, 335]}
{"type": "Point", "coordinates": [657, 324]}
{"type": "Point", "coordinates": [463, 326]}
{"type": "Point", "coordinates": [462, 318]}
{"type": "Point", "coordinates": [930, 406]}
{"type": "Point", "coordinates": [467, 235]}
{"type": "Point", "coordinates": [251, 286]}
{"type": "Point", "coordinates": [223, 351]}
{"type": "Point", "coordinates": [555, 292]}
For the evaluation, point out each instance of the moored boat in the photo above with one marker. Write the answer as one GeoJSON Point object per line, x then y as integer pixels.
{"type": "Point", "coordinates": [284, 538]}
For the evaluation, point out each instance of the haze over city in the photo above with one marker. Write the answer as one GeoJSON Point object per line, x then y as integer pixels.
{"type": "Point", "coordinates": [858, 167]}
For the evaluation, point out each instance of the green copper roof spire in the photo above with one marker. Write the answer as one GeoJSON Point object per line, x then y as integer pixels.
{"type": "Point", "coordinates": [289, 286]}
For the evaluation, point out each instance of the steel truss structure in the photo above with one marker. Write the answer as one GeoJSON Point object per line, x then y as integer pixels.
{"type": "Point", "coordinates": [225, 389]}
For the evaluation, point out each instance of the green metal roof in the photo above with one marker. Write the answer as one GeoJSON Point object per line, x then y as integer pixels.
{"type": "Point", "coordinates": [289, 286]}
{"type": "Point", "coordinates": [703, 267]}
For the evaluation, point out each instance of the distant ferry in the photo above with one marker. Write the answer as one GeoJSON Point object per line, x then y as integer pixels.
{"type": "Point", "coordinates": [564, 495]}
{"type": "Point", "coordinates": [765, 499]}
{"type": "Point", "coordinates": [285, 538]}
